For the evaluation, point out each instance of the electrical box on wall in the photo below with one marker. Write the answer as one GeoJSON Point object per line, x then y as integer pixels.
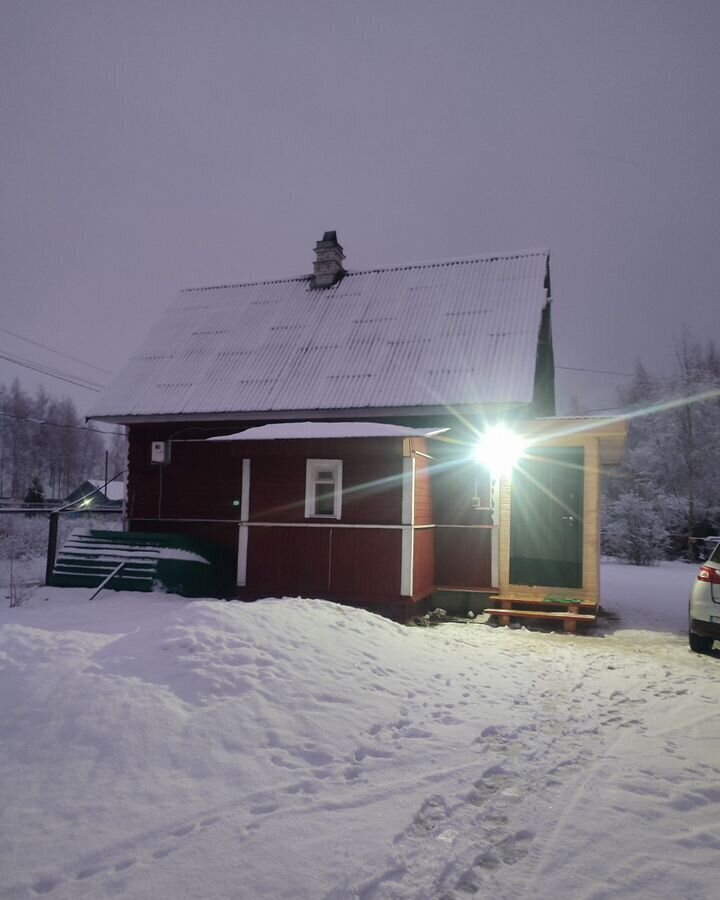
{"type": "Point", "coordinates": [160, 452]}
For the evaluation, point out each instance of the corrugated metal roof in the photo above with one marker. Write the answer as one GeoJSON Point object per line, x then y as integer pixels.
{"type": "Point", "coordinates": [459, 332]}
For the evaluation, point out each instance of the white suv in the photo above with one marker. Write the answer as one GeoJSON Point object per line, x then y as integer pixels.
{"type": "Point", "coordinates": [704, 611]}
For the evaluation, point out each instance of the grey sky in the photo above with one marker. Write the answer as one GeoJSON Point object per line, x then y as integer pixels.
{"type": "Point", "coordinates": [149, 145]}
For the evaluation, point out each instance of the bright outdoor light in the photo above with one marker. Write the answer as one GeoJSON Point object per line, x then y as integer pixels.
{"type": "Point", "coordinates": [499, 449]}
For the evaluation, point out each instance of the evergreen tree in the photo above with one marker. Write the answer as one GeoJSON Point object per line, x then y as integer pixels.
{"type": "Point", "coordinates": [35, 493]}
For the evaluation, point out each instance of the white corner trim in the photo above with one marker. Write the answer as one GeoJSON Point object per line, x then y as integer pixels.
{"type": "Point", "coordinates": [408, 491]}
{"type": "Point", "coordinates": [245, 491]}
{"type": "Point", "coordinates": [242, 556]}
{"type": "Point", "coordinates": [406, 565]}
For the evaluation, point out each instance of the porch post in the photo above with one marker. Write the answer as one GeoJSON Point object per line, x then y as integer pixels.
{"type": "Point", "coordinates": [243, 532]}
{"type": "Point", "coordinates": [495, 533]}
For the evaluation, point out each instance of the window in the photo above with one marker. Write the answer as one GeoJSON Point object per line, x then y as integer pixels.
{"type": "Point", "coordinates": [323, 488]}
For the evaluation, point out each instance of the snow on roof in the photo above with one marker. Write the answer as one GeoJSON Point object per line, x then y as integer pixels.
{"type": "Point", "coordinates": [459, 332]}
{"type": "Point", "coordinates": [305, 430]}
{"type": "Point", "coordinates": [114, 490]}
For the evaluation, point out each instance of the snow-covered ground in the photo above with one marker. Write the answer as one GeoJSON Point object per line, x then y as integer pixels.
{"type": "Point", "coordinates": [157, 748]}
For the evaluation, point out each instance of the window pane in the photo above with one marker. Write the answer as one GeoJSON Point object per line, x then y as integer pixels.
{"type": "Point", "coordinates": [324, 500]}
{"type": "Point", "coordinates": [325, 475]}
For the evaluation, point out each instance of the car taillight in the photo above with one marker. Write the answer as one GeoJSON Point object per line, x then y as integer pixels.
{"type": "Point", "coordinates": [709, 574]}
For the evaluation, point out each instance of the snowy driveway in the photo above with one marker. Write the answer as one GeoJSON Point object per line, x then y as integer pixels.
{"type": "Point", "coordinates": [157, 748]}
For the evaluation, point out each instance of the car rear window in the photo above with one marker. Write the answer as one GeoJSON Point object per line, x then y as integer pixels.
{"type": "Point", "coordinates": [715, 555]}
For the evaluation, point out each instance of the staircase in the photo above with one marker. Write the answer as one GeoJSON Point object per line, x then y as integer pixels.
{"type": "Point", "coordinates": [172, 562]}
{"type": "Point", "coordinates": [88, 558]}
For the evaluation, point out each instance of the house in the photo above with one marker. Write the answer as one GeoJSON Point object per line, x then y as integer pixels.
{"type": "Point", "coordinates": [323, 430]}
{"type": "Point", "coordinates": [98, 494]}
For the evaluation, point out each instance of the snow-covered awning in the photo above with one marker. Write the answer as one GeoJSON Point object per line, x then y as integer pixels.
{"type": "Point", "coordinates": [288, 431]}
{"type": "Point", "coordinates": [611, 432]}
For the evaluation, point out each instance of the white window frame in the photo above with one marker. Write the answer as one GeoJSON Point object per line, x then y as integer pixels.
{"type": "Point", "coordinates": [312, 469]}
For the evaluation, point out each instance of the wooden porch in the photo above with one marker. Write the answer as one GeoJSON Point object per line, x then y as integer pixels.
{"type": "Point", "coordinates": [570, 611]}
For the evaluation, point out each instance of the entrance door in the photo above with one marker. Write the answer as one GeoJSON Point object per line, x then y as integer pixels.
{"type": "Point", "coordinates": [546, 518]}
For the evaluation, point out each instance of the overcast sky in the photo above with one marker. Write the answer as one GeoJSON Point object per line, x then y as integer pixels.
{"type": "Point", "coordinates": [148, 145]}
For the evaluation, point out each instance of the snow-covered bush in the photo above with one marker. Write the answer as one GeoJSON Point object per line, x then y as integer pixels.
{"type": "Point", "coordinates": [635, 530]}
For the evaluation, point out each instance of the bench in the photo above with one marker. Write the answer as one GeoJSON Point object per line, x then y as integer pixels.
{"type": "Point", "coordinates": [567, 611]}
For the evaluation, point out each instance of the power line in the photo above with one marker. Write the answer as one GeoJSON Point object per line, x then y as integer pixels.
{"type": "Point", "coordinates": [51, 373]}
{"type": "Point", "coordinates": [58, 352]}
{"type": "Point", "coordinates": [58, 424]}
{"type": "Point", "coordinates": [597, 371]}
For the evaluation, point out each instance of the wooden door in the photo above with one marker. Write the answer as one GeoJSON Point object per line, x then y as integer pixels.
{"type": "Point", "coordinates": [546, 518]}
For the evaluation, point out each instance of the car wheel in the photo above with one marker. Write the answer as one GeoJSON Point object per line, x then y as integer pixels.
{"type": "Point", "coordinates": [700, 643]}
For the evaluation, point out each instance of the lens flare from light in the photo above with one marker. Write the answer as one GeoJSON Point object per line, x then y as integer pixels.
{"type": "Point", "coordinates": [499, 449]}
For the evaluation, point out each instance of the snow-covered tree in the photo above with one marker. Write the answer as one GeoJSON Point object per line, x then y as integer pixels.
{"type": "Point", "coordinates": [45, 437]}
{"type": "Point", "coordinates": [673, 452]}
{"type": "Point", "coordinates": [635, 530]}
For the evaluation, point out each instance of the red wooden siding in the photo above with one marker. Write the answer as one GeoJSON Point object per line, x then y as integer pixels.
{"type": "Point", "coordinates": [277, 488]}
{"type": "Point", "coordinates": [456, 482]}
{"type": "Point", "coordinates": [365, 560]}
{"type": "Point", "coordinates": [463, 557]}
{"type": "Point", "coordinates": [143, 486]}
{"type": "Point", "coordinates": [324, 561]}
{"type": "Point", "coordinates": [201, 481]}
{"type": "Point", "coordinates": [192, 495]}
{"type": "Point", "coordinates": [423, 491]}
{"type": "Point", "coordinates": [372, 479]}
{"type": "Point", "coordinates": [288, 560]}
{"type": "Point", "coordinates": [222, 533]}
{"type": "Point", "coordinates": [423, 562]}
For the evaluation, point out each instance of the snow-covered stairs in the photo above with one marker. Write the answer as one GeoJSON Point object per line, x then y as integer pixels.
{"type": "Point", "coordinates": [175, 563]}
{"type": "Point", "coordinates": [88, 558]}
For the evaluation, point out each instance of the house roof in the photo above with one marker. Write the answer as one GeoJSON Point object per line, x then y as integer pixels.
{"type": "Point", "coordinates": [310, 430]}
{"type": "Point", "coordinates": [114, 490]}
{"type": "Point", "coordinates": [610, 432]}
{"type": "Point", "coordinates": [451, 333]}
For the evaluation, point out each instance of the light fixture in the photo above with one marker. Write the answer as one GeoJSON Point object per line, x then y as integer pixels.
{"type": "Point", "coordinates": [499, 449]}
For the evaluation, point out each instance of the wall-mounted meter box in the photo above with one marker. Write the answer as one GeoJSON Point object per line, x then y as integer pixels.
{"type": "Point", "coordinates": [160, 452]}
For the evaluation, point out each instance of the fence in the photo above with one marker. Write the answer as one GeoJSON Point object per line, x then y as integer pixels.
{"type": "Point", "coordinates": [29, 533]}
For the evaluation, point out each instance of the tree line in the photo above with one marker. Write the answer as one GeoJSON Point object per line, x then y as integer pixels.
{"type": "Point", "coordinates": [665, 497]}
{"type": "Point", "coordinates": [46, 450]}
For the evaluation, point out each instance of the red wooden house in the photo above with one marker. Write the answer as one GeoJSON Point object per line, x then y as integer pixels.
{"type": "Point", "coordinates": [322, 429]}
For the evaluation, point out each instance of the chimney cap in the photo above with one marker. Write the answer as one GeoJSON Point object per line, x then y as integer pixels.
{"type": "Point", "coordinates": [329, 237]}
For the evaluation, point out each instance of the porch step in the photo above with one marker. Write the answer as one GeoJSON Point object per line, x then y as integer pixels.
{"type": "Point", "coordinates": [87, 559]}
{"type": "Point", "coordinates": [559, 609]}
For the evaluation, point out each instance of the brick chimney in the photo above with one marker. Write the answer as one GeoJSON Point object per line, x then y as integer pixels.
{"type": "Point", "coordinates": [328, 268]}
